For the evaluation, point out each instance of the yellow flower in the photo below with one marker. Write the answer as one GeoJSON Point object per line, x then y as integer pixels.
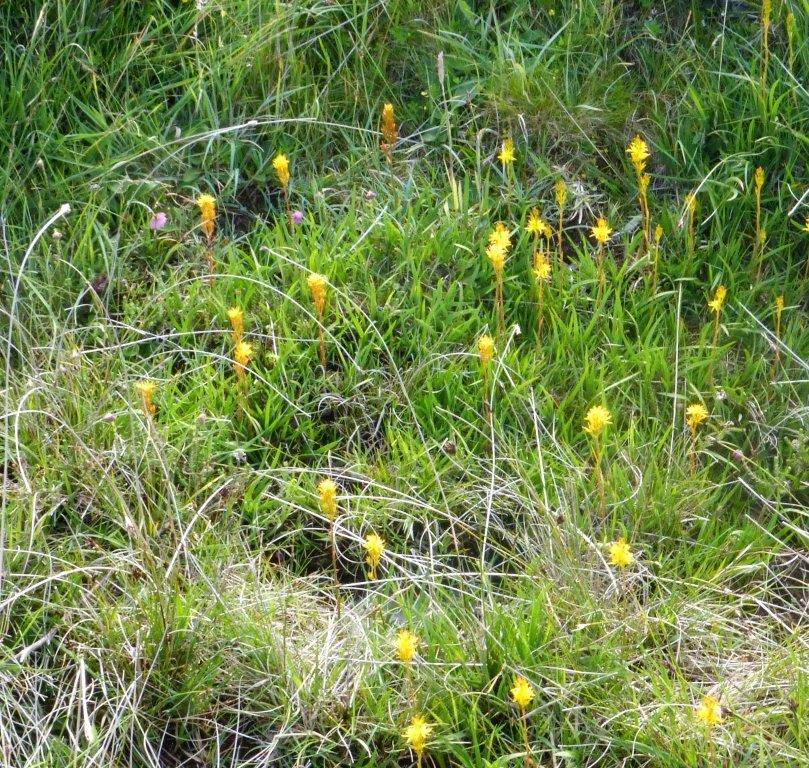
{"type": "Point", "coordinates": [779, 304]}
{"type": "Point", "coordinates": [806, 225]}
{"type": "Point", "coordinates": [243, 354]}
{"type": "Point", "coordinates": [620, 554]}
{"type": "Point", "coordinates": [317, 285]}
{"type": "Point", "coordinates": [497, 256]}
{"type": "Point", "coordinates": [507, 155]}
{"type": "Point", "coordinates": [691, 202]}
{"type": "Point", "coordinates": [417, 734]}
{"type": "Point", "coordinates": [522, 693]}
{"type": "Point", "coordinates": [542, 267]}
{"type": "Point", "coordinates": [537, 225]}
{"type": "Point", "coordinates": [709, 711]}
{"type": "Point", "coordinates": [638, 151]}
{"type": "Point", "coordinates": [766, 10]}
{"type": "Point", "coordinates": [643, 183]}
{"type": "Point", "coordinates": [485, 350]}
{"type": "Point", "coordinates": [695, 414]}
{"type": "Point", "coordinates": [601, 231]}
{"type": "Point", "coordinates": [236, 317]}
{"type": "Point", "coordinates": [207, 210]}
{"type": "Point", "coordinates": [146, 390]}
{"type": "Point", "coordinates": [374, 547]}
{"type": "Point", "coordinates": [407, 644]}
{"type": "Point", "coordinates": [500, 236]}
{"type": "Point", "coordinates": [718, 300]}
{"type": "Point", "coordinates": [561, 193]}
{"type": "Point", "coordinates": [327, 489]}
{"type": "Point", "coordinates": [759, 178]}
{"type": "Point", "coordinates": [597, 419]}
{"type": "Point", "coordinates": [658, 234]}
{"type": "Point", "coordinates": [390, 135]}
{"type": "Point", "coordinates": [281, 165]}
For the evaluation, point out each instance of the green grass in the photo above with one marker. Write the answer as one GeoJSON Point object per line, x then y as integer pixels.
{"type": "Point", "coordinates": [166, 583]}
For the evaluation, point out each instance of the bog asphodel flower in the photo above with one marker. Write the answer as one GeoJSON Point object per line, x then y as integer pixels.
{"type": "Point", "coordinates": [390, 134]}
{"type": "Point", "coordinates": [522, 693]}
{"type": "Point", "coordinates": [537, 226]}
{"type": "Point", "coordinates": [242, 355]}
{"type": "Point", "coordinates": [695, 414]}
{"type": "Point", "coordinates": [281, 165]}
{"type": "Point", "coordinates": [638, 151]}
{"type": "Point", "coordinates": [485, 350]}
{"type": "Point", "coordinates": [709, 712]}
{"type": "Point", "coordinates": [374, 549]}
{"type": "Point", "coordinates": [236, 317]}
{"type": "Point", "coordinates": [146, 390]}
{"type": "Point", "coordinates": [407, 643]}
{"type": "Point", "coordinates": [507, 154]}
{"type": "Point", "coordinates": [621, 554]}
{"type": "Point", "coordinates": [500, 237]}
{"type": "Point", "coordinates": [207, 212]}
{"type": "Point", "coordinates": [598, 418]}
{"type": "Point", "coordinates": [327, 491]}
{"type": "Point", "coordinates": [417, 734]}
{"type": "Point", "coordinates": [718, 301]}
{"type": "Point", "coordinates": [317, 286]}
{"type": "Point", "coordinates": [542, 267]}
{"type": "Point", "coordinates": [601, 232]}
{"type": "Point", "coordinates": [560, 190]}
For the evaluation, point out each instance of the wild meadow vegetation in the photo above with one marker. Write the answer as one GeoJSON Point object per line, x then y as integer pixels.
{"type": "Point", "coordinates": [396, 383]}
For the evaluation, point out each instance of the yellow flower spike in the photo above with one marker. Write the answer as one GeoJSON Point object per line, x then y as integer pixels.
{"type": "Point", "coordinates": [766, 11]}
{"type": "Point", "coordinates": [560, 190]}
{"type": "Point", "coordinates": [537, 226]}
{"type": "Point", "coordinates": [485, 350]}
{"type": "Point", "coordinates": [407, 643]}
{"type": "Point", "coordinates": [658, 234]}
{"type": "Point", "coordinates": [236, 317]}
{"type": "Point", "coordinates": [779, 310]}
{"type": "Point", "coordinates": [242, 356]}
{"type": "Point", "coordinates": [638, 151]}
{"type": "Point", "coordinates": [146, 390]}
{"type": "Point", "coordinates": [507, 154]}
{"type": "Point", "coordinates": [496, 255]}
{"type": "Point", "coordinates": [759, 178]}
{"type": "Point", "coordinates": [318, 288]}
{"type": "Point", "coordinates": [542, 267]}
{"type": "Point", "coordinates": [597, 420]}
{"type": "Point", "coordinates": [709, 712]}
{"type": "Point", "coordinates": [500, 237]}
{"type": "Point", "coordinates": [327, 490]}
{"type": "Point", "coordinates": [390, 134]}
{"type": "Point", "coordinates": [281, 165]}
{"type": "Point", "coordinates": [696, 414]}
{"type": "Point", "coordinates": [417, 734]}
{"type": "Point", "coordinates": [601, 232]}
{"type": "Point", "coordinates": [718, 300]}
{"type": "Point", "coordinates": [207, 211]}
{"type": "Point", "coordinates": [374, 548]}
{"type": "Point", "coordinates": [621, 554]}
{"type": "Point", "coordinates": [522, 693]}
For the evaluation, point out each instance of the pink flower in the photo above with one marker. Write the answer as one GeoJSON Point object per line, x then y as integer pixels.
{"type": "Point", "coordinates": [297, 217]}
{"type": "Point", "coordinates": [158, 221]}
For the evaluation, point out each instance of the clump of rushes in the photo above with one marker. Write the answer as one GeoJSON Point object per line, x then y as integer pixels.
{"type": "Point", "coordinates": [374, 546]}
{"type": "Point", "coordinates": [766, 12]}
{"type": "Point", "coordinates": [598, 418]}
{"type": "Point", "coordinates": [242, 355]}
{"type": "Point", "coordinates": [561, 199]}
{"type": "Point", "coordinates": [758, 245]}
{"type": "Point", "coordinates": [695, 414]}
{"type": "Point", "coordinates": [317, 286]}
{"type": "Point", "coordinates": [656, 266]}
{"type": "Point", "coordinates": [638, 151]}
{"type": "Point", "coordinates": [387, 128]}
{"type": "Point", "coordinates": [327, 491]}
{"type": "Point", "coordinates": [416, 736]}
{"type": "Point", "coordinates": [486, 353]}
{"type": "Point", "coordinates": [281, 165]}
{"type": "Point", "coordinates": [542, 274]}
{"type": "Point", "coordinates": [601, 233]}
{"type": "Point", "coordinates": [522, 694]}
{"type": "Point", "coordinates": [146, 390]}
{"type": "Point", "coordinates": [497, 252]}
{"type": "Point", "coordinates": [621, 555]}
{"type": "Point", "coordinates": [236, 317]}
